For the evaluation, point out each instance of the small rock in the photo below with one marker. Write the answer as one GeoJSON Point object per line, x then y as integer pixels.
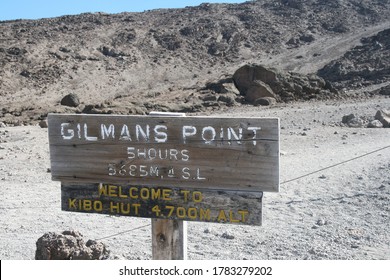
{"type": "Point", "coordinates": [25, 73]}
{"type": "Point", "coordinates": [356, 123]}
{"type": "Point", "coordinates": [347, 118]}
{"type": "Point", "coordinates": [210, 97]}
{"type": "Point", "coordinates": [227, 236]}
{"type": "Point", "coordinates": [322, 177]}
{"type": "Point", "coordinates": [2, 125]}
{"type": "Point", "coordinates": [312, 251]}
{"type": "Point", "coordinates": [375, 124]}
{"type": "Point", "coordinates": [265, 101]}
{"type": "Point", "coordinates": [229, 100]}
{"type": "Point", "coordinates": [43, 124]}
{"type": "Point", "coordinates": [321, 222]}
{"type": "Point", "coordinates": [64, 49]}
{"type": "Point", "coordinates": [70, 100]}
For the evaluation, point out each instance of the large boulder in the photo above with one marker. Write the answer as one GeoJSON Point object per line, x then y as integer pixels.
{"type": "Point", "coordinates": [384, 117]}
{"type": "Point", "coordinates": [353, 121]}
{"type": "Point", "coordinates": [258, 90]}
{"type": "Point", "coordinates": [385, 90]}
{"type": "Point", "coordinates": [256, 81]}
{"type": "Point", "coordinates": [69, 246]}
{"type": "Point", "coordinates": [248, 75]}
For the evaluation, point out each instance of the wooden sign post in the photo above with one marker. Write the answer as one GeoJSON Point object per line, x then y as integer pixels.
{"type": "Point", "coordinates": [169, 237]}
{"type": "Point", "coordinates": [168, 168]}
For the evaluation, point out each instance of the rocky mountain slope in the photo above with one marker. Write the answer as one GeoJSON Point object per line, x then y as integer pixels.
{"type": "Point", "coordinates": [184, 59]}
{"type": "Point", "coordinates": [363, 65]}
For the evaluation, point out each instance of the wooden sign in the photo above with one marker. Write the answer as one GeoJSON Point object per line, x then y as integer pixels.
{"type": "Point", "coordinates": [238, 154]}
{"type": "Point", "coordinates": [164, 203]}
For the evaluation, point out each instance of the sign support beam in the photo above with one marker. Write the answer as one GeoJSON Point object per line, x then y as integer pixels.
{"type": "Point", "coordinates": [169, 237]}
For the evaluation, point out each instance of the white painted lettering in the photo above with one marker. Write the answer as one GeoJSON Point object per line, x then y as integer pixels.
{"type": "Point", "coordinates": [171, 173]}
{"type": "Point", "coordinates": [142, 171]}
{"type": "Point", "coordinates": [130, 152]}
{"type": "Point", "coordinates": [144, 133]}
{"type": "Point", "coordinates": [106, 132]}
{"type": "Point", "coordinates": [68, 134]}
{"type": "Point", "coordinates": [221, 134]}
{"type": "Point", "coordinates": [232, 135]}
{"type": "Point", "coordinates": [163, 155]}
{"type": "Point", "coordinates": [198, 177]}
{"type": "Point", "coordinates": [188, 130]}
{"type": "Point", "coordinates": [186, 173]}
{"type": "Point", "coordinates": [160, 133]}
{"type": "Point", "coordinates": [154, 171]}
{"type": "Point", "coordinates": [173, 154]}
{"type": "Point", "coordinates": [111, 170]}
{"type": "Point", "coordinates": [125, 134]}
{"type": "Point", "coordinates": [88, 138]}
{"type": "Point", "coordinates": [79, 130]}
{"type": "Point", "coordinates": [254, 129]}
{"type": "Point", "coordinates": [132, 170]}
{"type": "Point", "coordinates": [141, 153]}
{"type": "Point", "coordinates": [152, 153]}
{"type": "Point", "coordinates": [185, 155]}
{"type": "Point", "coordinates": [208, 134]}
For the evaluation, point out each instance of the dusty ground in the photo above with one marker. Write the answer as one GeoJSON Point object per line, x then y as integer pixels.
{"type": "Point", "coordinates": [338, 213]}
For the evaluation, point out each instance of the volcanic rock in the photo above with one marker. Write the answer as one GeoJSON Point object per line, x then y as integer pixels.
{"type": "Point", "coordinates": [71, 100]}
{"type": "Point", "coordinates": [375, 124]}
{"type": "Point", "coordinates": [384, 117]}
{"type": "Point", "coordinates": [69, 246]}
{"type": "Point", "coordinates": [265, 101]}
{"type": "Point", "coordinates": [362, 65]}
{"type": "Point", "coordinates": [385, 90]}
{"type": "Point", "coordinates": [256, 81]}
{"type": "Point", "coordinates": [259, 90]}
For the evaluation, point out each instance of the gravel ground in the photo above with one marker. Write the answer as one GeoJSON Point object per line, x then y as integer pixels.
{"type": "Point", "coordinates": [337, 213]}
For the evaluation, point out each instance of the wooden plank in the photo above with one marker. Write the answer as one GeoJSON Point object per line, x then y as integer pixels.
{"type": "Point", "coordinates": [169, 240]}
{"type": "Point", "coordinates": [169, 237]}
{"type": "Point", "coordinates": [197, 152]}
{"type": "Point", "coordinates": [218, 206]}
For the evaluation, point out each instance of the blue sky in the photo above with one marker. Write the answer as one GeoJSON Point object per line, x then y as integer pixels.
{"type": "Point", "coordinates": [34, 9]}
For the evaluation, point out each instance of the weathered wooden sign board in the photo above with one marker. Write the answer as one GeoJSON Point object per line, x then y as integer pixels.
{"type": "Point", "coordinates": [164, 203]}
{"type": "Point", "coordinates": [166, 168]}
{"type": "Point", "coordinates": [236, 154]}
